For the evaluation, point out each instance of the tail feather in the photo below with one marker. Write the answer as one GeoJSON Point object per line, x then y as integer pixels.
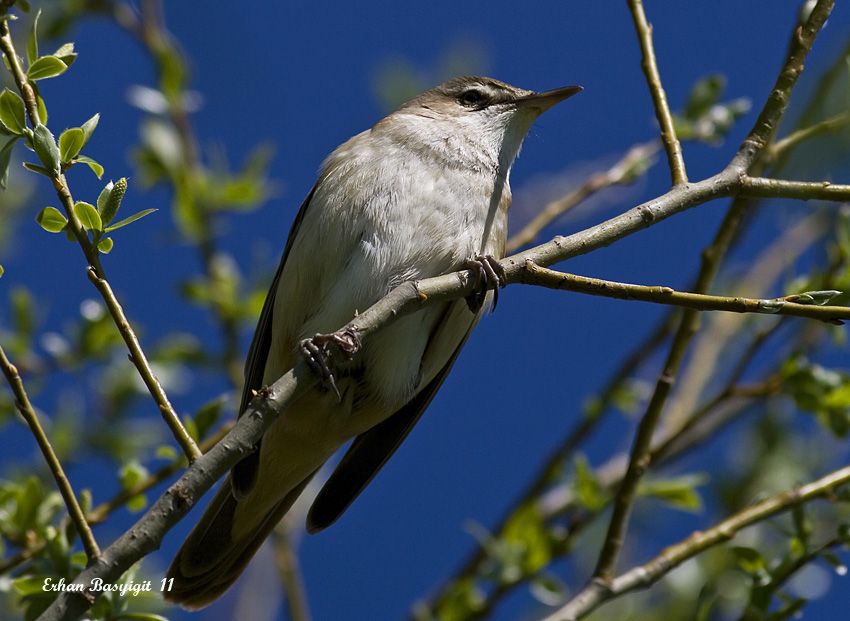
{"type": "Point", "coordinates": [211, 559]}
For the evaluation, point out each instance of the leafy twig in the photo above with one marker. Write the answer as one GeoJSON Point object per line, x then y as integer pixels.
{"type": "Point", "coordinates": [671, 557]}
{"type": "Point", "coordinates": [95, 271]}
{"type": "Point", "coordinates": [24, 406]}
{"type": "Point", "coordinates": [750, 149]}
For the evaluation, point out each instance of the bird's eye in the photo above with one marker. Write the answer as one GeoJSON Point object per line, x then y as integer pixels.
{"type": "Point", "coordinates": [472, 98]}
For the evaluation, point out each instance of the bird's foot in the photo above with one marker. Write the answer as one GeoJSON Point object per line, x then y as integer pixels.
{"type": "Point", "coordinates": [317, 353]}
{"type": "Point", "coordinates": [489, 274]}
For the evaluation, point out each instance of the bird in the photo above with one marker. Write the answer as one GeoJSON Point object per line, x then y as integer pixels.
{"type": "Point", "coordinates": [422, 193]}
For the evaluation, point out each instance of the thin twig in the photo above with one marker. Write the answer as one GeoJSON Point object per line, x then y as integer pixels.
{"type": "Point", "coordinates": [95, 270]}
{"type": "Point", "coordinates": [776, 149]}
{"type": "Point", "coordinates": [620, 173]}
{"type": "Point", "coordinates": [289, 569]}
{"type": "Point", "coordinates": [99, 513]}
{"type": "Point", "coordinates": [149, 28]}
{"type": "Point", "coordinates": [659, 98]}
{"type": "Point", "coordinates": [552, 279]}
{"type": "Point", "coordinates": [18, 559]}
{"type": "Point", "coordinates": [750, 149]}
{"type": "Point", "coordinates": [774, 108]}
{"type": "Point", "coordinates": [803, 190]}
{"type": "Point", "coordinates": [671, 557]}
{"type": "Point", "coordinates": [24, 406]}
{"type": "Point", "coordinates": [558, 457]}
{"type": "Point", "coordinates": [639, 458]}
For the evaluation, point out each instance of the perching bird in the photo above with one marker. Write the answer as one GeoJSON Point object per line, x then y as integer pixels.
{"type": "Point", "coordinates": [422, 193]}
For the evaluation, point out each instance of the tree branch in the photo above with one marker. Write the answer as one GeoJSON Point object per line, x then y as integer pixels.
{"type": "Point", "coordinates": [751, 148]}
{"type": "Point", "coordinates": [779, 147]}
{"type": "Point", "coordinates": [96, 272]}
{"type": "Point", "coordinates": [774, 108]}
{"type": "Point", "coordinates": [620, 173]}
{"type": "Point", "coordinates": [659, 98]}
{"type": "Point", "coordinates": [803, 190]}
{"type": "Point", "coordinates": [698, 301]}
{"type": "Point", "coordinates": [671, 557]}
{"type": "Point", "coordinates": [24, 406]}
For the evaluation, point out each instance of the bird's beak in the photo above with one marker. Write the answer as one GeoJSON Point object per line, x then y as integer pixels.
{"type": "Point", "coordinates": [545, 100]}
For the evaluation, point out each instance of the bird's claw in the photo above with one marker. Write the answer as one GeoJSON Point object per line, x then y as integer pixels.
{"type": "Point", "coordinates": [317, 353]}
{"type": "Point", "coordinates": [489, 275]}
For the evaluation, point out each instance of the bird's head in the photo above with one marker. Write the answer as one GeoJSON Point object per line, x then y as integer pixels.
{"type": "Point", "coordinates": [476, 120]}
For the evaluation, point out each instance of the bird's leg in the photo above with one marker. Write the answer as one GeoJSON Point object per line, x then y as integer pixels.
{"type": "Point", "coordinates": [317, 353]}
{"type": "Point", "coordinates": [489, 275]}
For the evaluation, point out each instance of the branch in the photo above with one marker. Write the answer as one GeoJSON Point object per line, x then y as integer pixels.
{"type": "Point", "coordinates": [698, 301]}
{"type": "Point", "coordinates": [291, 576]}
{"type": "Point", "coordinates": [96, 272]}
{"type": "Point", "coordinates": [553, 463]}
{"type": "Point", "coordinates": [751, 148]}
{"type": "Point", "coordinates": [149, 29]}
{"type": "Point", "coordinates": [24, 406]}
{"type": "Point", "coordinates": [620, 173]}
{"type": "Point", "coordinates": [659, 98]}
{"type": "Point", "coordinates": [647, 574]}
{"type": "Point", "coordinates": [99, 513]}
{"type": "Point", "coordinates": [780, 147]}
{"type": "Point", "coordinates": [803, 190]}
{"type": "Point", "coordinates": [777, 102]}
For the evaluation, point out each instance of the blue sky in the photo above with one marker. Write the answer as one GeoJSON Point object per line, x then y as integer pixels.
{"type": "Point", "coordinates": [301, 77]}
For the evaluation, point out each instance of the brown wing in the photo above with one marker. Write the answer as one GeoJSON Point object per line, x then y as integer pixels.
{"type": "Point", "coordinates": [244, 473]}
{"type": "Point", "coordinates": [371, 450]}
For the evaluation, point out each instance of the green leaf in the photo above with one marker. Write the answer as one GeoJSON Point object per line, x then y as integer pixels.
{"type": "Point", "coordinates": [140, 616]}
{"type": "Point", "coordinates": [32, 42]}
{"type": "Point", "coordinates": [88, 216]}
{"type": "Point", "coordinates": [191, 428]}
{"type": "Point", "coordinates": [129, 220]}
{"type": "Point", "coordinates": [528, 541]}
{"type": "Point", "coordinates": [41, 107]}
{"type": "Point", "coordinates": [41, 170]}
{"type": "Point", "coordinates": [5, 161]}
{"type": "Point", "coordinates": [679, 492]}
{"type": "Point", "coordinates": [131, 474]}
{"type": "Point", "coordinates": [88, 128]}
{"type": "Point", "coordinates": [51, 220]}
{"type": "Point", "coordinates": [29, 585]}
{"type": "Point", "coordinates": [2, 271]}
{"type": "Point", "coordinates": [66, 54]}
{"type": "Point", "coordinates": [589, 493]}
{"type": "Point", "coordinates": [105, 245]}
{"type": "Point", "coordinates": [46, 67]}
{"type": "Point", "coordinates": [113, 201]}
{"type": "Point", "coordinates": [166, 452]}
{"type": "Point", "coordinates": [208, 415]}
{"type": "Point", "coordinates": [705, 93]}
{"type": "Point", "coordinates": [819, 298]}
{"type": "Point", "coordinates": [137, 503]}
{"type": "Point", "coordinates": [12, 112]}
{"type": "Point", "coordinates": [71, 142]}
{"type": "Point", "coordinates": [103, 197]}
{"type": "Point", "coordinates": [46, 148]}
{"type": "Point", "coordinates": [96, 168]}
